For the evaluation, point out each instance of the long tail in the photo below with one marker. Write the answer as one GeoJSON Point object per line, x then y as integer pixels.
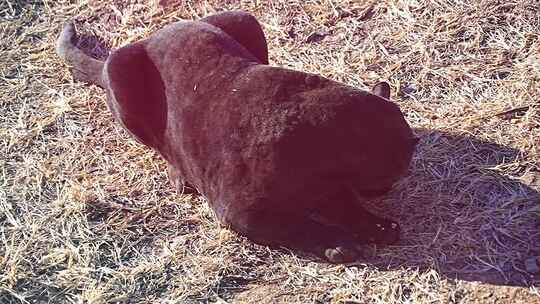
{"type": "Point", "coordinates": [85, 68]}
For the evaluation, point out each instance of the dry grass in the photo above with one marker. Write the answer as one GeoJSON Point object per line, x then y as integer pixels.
{"type": "Point", "coordinates": [88, 216]}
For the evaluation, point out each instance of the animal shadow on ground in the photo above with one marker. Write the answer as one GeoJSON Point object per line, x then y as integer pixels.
{"type": "Point", "coordinates": [465, 211]}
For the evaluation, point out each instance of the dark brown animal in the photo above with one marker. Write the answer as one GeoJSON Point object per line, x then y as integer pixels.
{"type": "Point", "coordinates": [283, 157]}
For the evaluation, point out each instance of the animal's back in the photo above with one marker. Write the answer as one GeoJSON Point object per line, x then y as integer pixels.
{"type": "Point", "coordinates": [269, 134]}
{"type": "Point", "coordinates": [267, 146]}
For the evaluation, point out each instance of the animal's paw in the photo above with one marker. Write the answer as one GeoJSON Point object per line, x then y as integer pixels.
{"type": "Point", "coordinates": [341, 254]}
{"type": "Point", "coordinates": [383, 232]}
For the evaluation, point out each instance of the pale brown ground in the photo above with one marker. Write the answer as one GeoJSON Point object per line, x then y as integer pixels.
{"type": "Point", "coordinates": [88, 216]}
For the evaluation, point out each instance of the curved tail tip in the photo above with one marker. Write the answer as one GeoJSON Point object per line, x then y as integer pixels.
{"type": "Point", "coordinates": [68, 32]}
{"type": "Point", "coordinates": [66, 39]}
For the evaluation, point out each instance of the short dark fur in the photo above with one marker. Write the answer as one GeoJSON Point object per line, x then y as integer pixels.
{"type": "Point", "coordinates": [282, 156]}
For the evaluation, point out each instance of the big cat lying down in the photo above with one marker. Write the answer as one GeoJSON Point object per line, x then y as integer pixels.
{"type": "Point", "coordinates": [282, 156]}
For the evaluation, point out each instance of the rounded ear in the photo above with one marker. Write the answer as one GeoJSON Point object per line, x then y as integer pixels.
{"type": "Point", "coordinates": [382, 89]}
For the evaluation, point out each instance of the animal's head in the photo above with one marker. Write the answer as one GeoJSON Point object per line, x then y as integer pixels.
{"type": "Point", "coordinates": [345, 137]}
{"type": "Point", "coordinates": [389, 147]}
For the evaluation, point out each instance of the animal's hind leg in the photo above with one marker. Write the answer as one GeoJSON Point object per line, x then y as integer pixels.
{"type": "Point", "coordinates": [245, 29]}
{"type": "Point", "coordinates": [344, 208]}
{"type": "Point", "coordinates": [299, 232]}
